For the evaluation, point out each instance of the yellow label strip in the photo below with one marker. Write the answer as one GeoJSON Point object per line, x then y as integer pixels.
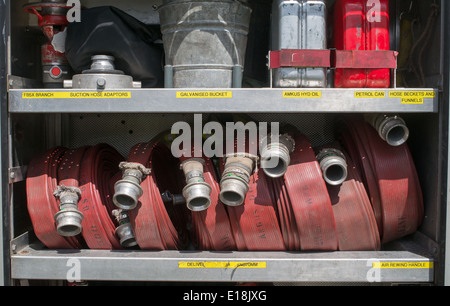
{"type": "Point", "coordinates": [302, 94]}
{"type": "Point", "coordinates": [204, 94]}
{"type": "Point", "coordinates": [412, 94]}
{"type": "Point", "coordinates": [222, 264]}
{"type": "Point", "coordinates": [403, 265]}
{"type": "Point", "coordinates": [78, 95]}
{"type": "Point", "coordinates": [369, 94]}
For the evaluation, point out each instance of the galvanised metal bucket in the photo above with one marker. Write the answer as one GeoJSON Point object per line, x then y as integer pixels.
{"type": "Point", "coordinates": [205, 42]}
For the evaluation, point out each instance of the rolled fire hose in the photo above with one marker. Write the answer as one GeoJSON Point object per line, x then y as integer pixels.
{"type": "Point", "coordinates": [356, 225]}
{"type": "Point", "coordinates": [303, 204]}
{"type": "Point", "coordinates": [69, 218]}
{"type": "Point", "coordinates": [255, 223]}
{"type": "Point", "coordinates": [158, 225]}
{"type": "Point", "coordinates": [100, 164]}
{"type": "Point", "coordinates": [390, 178]}
{"type": "Point", "coordinates": [41, 182]}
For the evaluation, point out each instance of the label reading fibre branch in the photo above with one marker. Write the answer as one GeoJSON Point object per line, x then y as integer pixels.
{"type": "Point", "coordinates": [78, 95]}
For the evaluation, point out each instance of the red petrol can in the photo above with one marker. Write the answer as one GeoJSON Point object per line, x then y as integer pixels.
{"type": "Point", "coordinates": [361, 25]}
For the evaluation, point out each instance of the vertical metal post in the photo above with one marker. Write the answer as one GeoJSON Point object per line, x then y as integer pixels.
{"type": "Point", "coordinates": [445, 101]}
{"type": "Point", "coordinates": [4, 220]}
{"type": "Point", "coordinates": [168, 76]}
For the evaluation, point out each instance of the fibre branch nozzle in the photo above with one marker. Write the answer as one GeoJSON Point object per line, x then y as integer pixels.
{"type": "Point", "coordinates": [235, 180]}
{"type": "Point", "coordinates": [68, 219]}
{"type": "Point", "coordinates": [128, 190]}
{"type": "Point", "coordinates": [333, 164]}
{"type": "Point", "coordinates": [197, 192]}
{"type": "Point", "coordinates": [391, 128]}
{"type": "Point", "coordinates": [275, 154]}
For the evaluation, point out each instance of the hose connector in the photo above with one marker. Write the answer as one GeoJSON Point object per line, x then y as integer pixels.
{"type": "Point", "coordinates": [197, 192]}
{"type": "Point", "coordinates": [391, 128]}
{"type": "Point", "coordinates": [275, 154]}
{"type": "Point", "coordinates": [333, 164]}
{"type": "Point", "coordinates": [235, 180]}
{"type": "Point", "coordinates": [128, 190]}
{"type": "Point", "coordinates": [174, 199]}
{"type": "Point", "coordinates": [68, 219]}
{"type": "Point", "coordinates": [124, 231]}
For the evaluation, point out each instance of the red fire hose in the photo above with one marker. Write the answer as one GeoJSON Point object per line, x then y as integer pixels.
{"type": "Point", "coordinates": [356, 225]}
{"type": "Point", "coordinates": [390, 178]}
{"type": "Point", "coordinates": [100, 164]}
{"type": "Point", "coordinates": [158, 225]}
{"type": "Point", "coordinates": [304, 206]}
{"type": "Point", "coordinates": [42, 180]}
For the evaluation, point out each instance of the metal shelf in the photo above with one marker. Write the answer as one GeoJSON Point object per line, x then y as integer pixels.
{"type": "Point", "coordinates": [34, 262]}
{"type": "Point", "coordinates": [263, 100]}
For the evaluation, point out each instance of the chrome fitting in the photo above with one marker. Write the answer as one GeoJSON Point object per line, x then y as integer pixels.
{"type": "Point", "coordinates": [391, 128]}
{"type": "Point", "coordinates": [128, 190]}
{"type": "Point", "coordinates": [68, 219]}
{"type": "Point", "coordinates": [124, 231]}
{"type": "Point", "coordinates": [333, 164]}
{"type": "Point", "coordinates": [235, 180]}
{"type": "Point", "coordinates": [275, 154]}
{"type": "Point", "coordinates": [197, 192]}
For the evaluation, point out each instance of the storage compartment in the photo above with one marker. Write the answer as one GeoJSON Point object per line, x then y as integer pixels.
{"type": "Point", "coordinates": [38, 119]}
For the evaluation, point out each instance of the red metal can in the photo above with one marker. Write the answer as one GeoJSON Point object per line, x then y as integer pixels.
{"type": "Point", "coordinates": [361, 25]}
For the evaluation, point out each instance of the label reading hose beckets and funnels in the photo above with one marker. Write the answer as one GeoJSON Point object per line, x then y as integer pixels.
{"type": "Point", "coordinates": [77, 95]}
{"type": "Point", "coordinates": [204, 94]}
{"type": "Point", "coordinates": [302, 94]}
{"type": "Point", "coordinates": [412, 97]}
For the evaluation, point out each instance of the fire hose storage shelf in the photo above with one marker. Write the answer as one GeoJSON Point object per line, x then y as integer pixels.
{"type": "Point", "coordinates": [219, 100]}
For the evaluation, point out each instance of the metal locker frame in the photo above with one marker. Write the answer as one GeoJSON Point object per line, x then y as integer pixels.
{"type": "Point", "coordinates": [21, 253]}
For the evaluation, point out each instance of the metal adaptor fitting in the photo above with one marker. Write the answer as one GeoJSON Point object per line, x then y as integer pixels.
{"type": "Point", "coordinates": [128, 190]}
{"type": "Point", "coordinates": [68, 219]}
{"type": "Point", "coordinates": [196, 192]}
{"type": "Point", "coordinates": [175, 199]}
{"type": "Point", "coordinates": [124, 231]}
{"type": "Point", "coordinates": [333, 164]}
{"type": "Point", "coordinates": [391, 128]}
{"type": "Point", "coordinates": [235, 180]}
{"type": "Point", "coordinates": [275, 154]}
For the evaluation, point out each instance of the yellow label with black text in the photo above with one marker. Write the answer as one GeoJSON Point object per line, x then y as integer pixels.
{"type": "Point", "coordinates": [77, 95]}
{"type": "Point", "coordinates": [403, 265]}
{"type": "Point", "coordinates": [222, 264]}
{"type": "Point", "coordinates": [302, 94]}
{"type": "Point", "coordinates": [370, 94]}
{"type": "Point", "coordinates": [204, 94]}
{"type": "Point", "coordinates": [412, 94]}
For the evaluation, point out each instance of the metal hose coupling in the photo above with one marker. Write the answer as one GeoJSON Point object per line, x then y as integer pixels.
{"type": "Point", "coordinates": [235, 180]}
{"type": "Point", "coordinates": [197, 192]}
{"type": "Point", "coordinates": [128, 190]}
{"type": "Point", "coordinates": [124, 231]}
{"type": "Point", "coordinates": [391, 128]}
{"type": "Point", "coordinates": [68, 219]}
{"type": "Point", "coordinates": [333, 164]}
{"type": "Point", "coordinates": [275, 154]}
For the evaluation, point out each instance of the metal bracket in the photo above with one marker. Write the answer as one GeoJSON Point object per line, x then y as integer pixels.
{"type": "Point", "coordinates": [17, 174]}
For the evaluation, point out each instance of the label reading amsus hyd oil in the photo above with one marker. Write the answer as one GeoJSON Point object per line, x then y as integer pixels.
{"type": "Point", "coordinates": [302, 94]}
